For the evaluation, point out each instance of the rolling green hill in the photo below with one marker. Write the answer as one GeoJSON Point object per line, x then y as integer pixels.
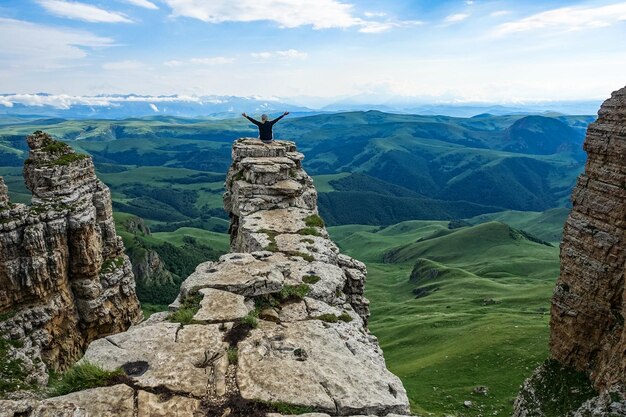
{"type": "Point", "coordinates": [546, 225]}
{"type": "Point", "coordinates": [456, 309]}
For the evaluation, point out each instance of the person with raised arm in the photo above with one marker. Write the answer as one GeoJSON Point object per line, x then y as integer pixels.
{"type": "Point", "coordinates": [265, 126]}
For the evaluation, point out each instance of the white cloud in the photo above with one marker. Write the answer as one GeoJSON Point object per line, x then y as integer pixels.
{"type": "Point", "coordinates": [122, 65]}
{"type": "Point", "coordinates": [375, 14]}
{"type": "Point", "coordinates": [39, 46]}
{"type": "Point", "coordinates": [288, 54]}
{"type": "Point", "coordinates": [321, 14]}
{"type": "Point", "coordinates": [65, 101]}
{"type": "Point", "coordinates": [498, 13]}
{"type": "Point", "coordinates": [217, 60]}
{"type": "Point", "coordinates": [568, 18]}
{"type": "Point", "coordinates": [456, 18]}
{"type": "Point", "coordinates": [379, 27]}
{"type": "Point", "coordinates": [262, 55]}
{"type": "Point", "coordinates": [82, 11]}
{"type": "Point", "coordinates": [292, 53]}
{"type": "Point", "coordinates": [174, 63]}
{"type": "Point", "coordinates": [143, 3]}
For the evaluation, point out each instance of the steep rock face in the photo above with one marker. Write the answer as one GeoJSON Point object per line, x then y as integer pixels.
{"type": "Point", "coordinates": [268, 328]}
{"type": "Point", "coordinates": [64, 278]}
{"type": "Point", "coordinates": [589, 305]}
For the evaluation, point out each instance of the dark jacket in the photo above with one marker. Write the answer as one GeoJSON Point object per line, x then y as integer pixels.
{"type": "Point", "coordinates": [265, 129]}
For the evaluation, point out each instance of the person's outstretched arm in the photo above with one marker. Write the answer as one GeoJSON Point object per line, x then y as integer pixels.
{"type": "Point", "coordinates": [279, 117]}
{"type": "Point", "coordinates": [256, 122]}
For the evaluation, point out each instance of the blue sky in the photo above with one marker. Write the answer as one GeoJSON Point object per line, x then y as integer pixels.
{"type": "Point", "coordinates": [433, 51]}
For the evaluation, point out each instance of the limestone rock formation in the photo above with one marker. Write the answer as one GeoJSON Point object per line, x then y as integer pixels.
{"type": "Point", "coordinates": [277, 325]}
{"type": "Point", "coordinates": [589, 301]}
{"type": "Point", "coordinates": [64, 278]}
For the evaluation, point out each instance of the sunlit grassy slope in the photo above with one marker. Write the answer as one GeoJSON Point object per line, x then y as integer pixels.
{"type": "Point", "coordinates": [485, 323]}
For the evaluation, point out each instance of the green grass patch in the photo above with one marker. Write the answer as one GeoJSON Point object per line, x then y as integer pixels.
{"type": "Point", "coordinates": [309, 231]}
{"type": "Point", "coordinates": [289, 409]}
{"type": "Point", "coordinates": [68, 159]}
{"type": "Point", "coordinates": [149, 309]}
{"type": "Point", "coordinates": [305, 256]}
{"type": "Point", "coordinates": [328, 318]}
{"type": "Point", "coordinates": [333, 318]}
{"type": "Point", "coordinates": [251, 319]}
{"type": "Point", "coordinates": [559, 390]}
{"type": "Point", "coordinates": [233, 355]}
{"type": "Point", "coordinates": [55, 146]}
{"type": "Point", "coordinates": [271, 235]}
{"type": "Point", "coordinates": [314, 221]}
{"type": "Point", "coordinates": [310, 279]}
{"type": "Point", "coordinates": [345, 317]}
{"type": "Point", "coordinates": [13, 375]}
{"type": "Point", "coordinates": [111, 265]}
{"type": "Point", "coordinates": [82, 376]}
{"type": "Point", "coordinates": [188, 308]}
{"type": "Point", "coordinates": [294, 292]}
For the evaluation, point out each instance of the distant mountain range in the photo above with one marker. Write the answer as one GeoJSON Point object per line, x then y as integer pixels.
{"type": "Point", "coordinates": [116, 106]}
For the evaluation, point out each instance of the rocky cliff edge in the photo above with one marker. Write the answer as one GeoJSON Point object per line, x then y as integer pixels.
{"type": "Point", "coordinates": [64, 278]}
{"type": "Point", "coordinates": [276, 327]}
{"type": "Point", "coordinates": [587, 373]}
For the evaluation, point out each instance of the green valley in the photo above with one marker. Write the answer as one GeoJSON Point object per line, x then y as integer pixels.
{"type": "Point", "coordinates": [457, 310]}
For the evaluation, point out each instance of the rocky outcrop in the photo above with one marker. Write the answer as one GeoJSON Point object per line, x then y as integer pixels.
{"type": "Point", "coordinates": [587, 330]}
{"type": "Point", "coordinates": [277, 327]}
{"type": "Point", "coordinates": [64, 278]}
{"type": "Point", "coordinates": [272, 204]}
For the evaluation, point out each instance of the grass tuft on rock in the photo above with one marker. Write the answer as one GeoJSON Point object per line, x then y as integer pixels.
{"type": "Point", "coordinates": [305, 256]}
{"type": "Point", "coordinates": [345, 317]}
{"type": "Point", "coordinates": [332, 318]}
{"type": "Point", "coordinates": [188, 309]}
{"type": "Point", "coordinates": [314, 221]}
{"type": "Point", "coordinates": [68, 159]}
{"type": "Point", "coordinates": [271, 235]}
{"type": "Point", "coordinates": [311, 279]}
{"type": "Point", "coordinates": [233, 355]}
{"type": "Point", "coordinates": [309, 231]}
{"type": "Point", "coordinates": [111, 265]}
{"type": "Point", "coordinates": [13, 376]}
{"type": "Point", "coordinates": [81, 377]}
{"type": "Point", "coordinates": [251, 319]}
{"type": "Point", "coordinates": [294, 292]}
{"type": "Point", "coordinates": [558, 390]}
{"type": "Point", "coordinates": [290, 409]}
{"type": "Point", "coordinates": [327, 317]}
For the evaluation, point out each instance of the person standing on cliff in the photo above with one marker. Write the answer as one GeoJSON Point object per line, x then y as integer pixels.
{"type": "Point", "coordinates": [265, 126]}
